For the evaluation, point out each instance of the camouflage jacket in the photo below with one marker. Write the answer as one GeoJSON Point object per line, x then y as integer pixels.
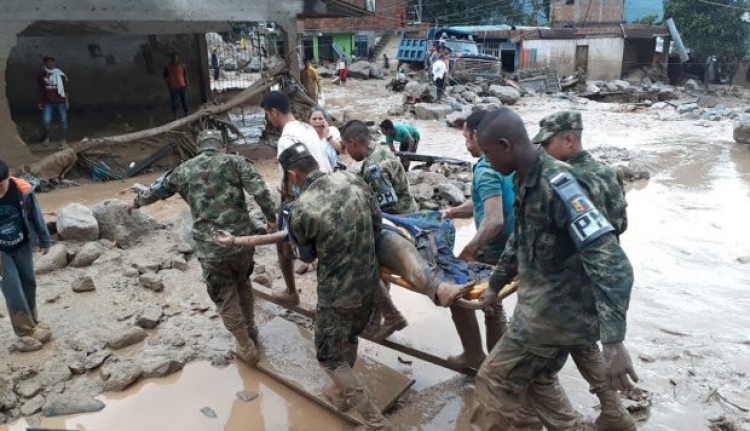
{"type": "Point", "coordinates": [565, 296]}
{"type": "Point", "coordinates": [337, 214]}
{"type": "Point", "coordinates": [604, 187]}
{"type": "Point", "coordinates": [212, 184]}
{"type": "Point", "coordinates": [394, 172]}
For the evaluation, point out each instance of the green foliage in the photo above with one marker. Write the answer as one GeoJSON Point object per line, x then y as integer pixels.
{"type": "Point", "coordinates": [710, 29]}
{"type": "Point", "coordinates": [648, 20]}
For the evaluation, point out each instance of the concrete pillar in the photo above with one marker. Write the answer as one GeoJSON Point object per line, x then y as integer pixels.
{"type": "Point", "coordinates": [12, 149]}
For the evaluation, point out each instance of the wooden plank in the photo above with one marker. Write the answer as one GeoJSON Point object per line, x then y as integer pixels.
{"type": "Point", "coordinates": [289, 356]}
{"type": "Point", "coordinates": [265, 293]}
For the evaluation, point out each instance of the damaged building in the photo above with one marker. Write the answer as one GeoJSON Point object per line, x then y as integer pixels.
{"type": "Point", "coordinates": [113, 53]}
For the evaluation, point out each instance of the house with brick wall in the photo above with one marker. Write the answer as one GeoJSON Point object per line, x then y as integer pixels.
{"type": "Point", "coordinates": [324, 39]}
{"type": "Point", "coordinates": [582, 13]}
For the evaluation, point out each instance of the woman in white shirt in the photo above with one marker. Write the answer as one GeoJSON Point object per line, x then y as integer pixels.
{"type": "Point", "coordinates": [330, 137]}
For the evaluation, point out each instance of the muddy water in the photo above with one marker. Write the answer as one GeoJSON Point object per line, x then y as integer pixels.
{"type": "Point", "coordinates": [175, 403]}
{"type": "Point", "coordinates": [688, 319]}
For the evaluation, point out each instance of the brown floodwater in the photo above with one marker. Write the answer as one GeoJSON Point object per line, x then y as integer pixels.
{"type": "Point", "coordinates": [175, 403]}
{"type": "Point", "coordinates": [687, 324]}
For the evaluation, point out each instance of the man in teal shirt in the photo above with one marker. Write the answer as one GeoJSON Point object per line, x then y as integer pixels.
{"type": "Point", "coordinates": [405, 134]}
{"type": "Point", "coordinates": [492, 207]}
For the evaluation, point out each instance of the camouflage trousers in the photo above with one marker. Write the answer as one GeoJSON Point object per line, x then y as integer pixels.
{"type": "Point", "coordinates": [229, 287]}
{"type": "Point", "coordinates": [516, 375]}
{"type": "Point", "coordinates": [337, 334]}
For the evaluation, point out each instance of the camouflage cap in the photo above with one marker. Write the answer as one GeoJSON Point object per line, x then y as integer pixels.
{"type": "Point", "coordinates": [209, 138]}
{"type": "Point", "coordinates": [558, 122]}
{"type": "Point", "coordinates": [293, 154]}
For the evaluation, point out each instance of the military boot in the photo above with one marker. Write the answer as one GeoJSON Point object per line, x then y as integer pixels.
{"type": "Point", "coordinates": [614, 416]}
{"type": "Point", "coordinates": [392, 319]}
{"type": "Point", "coordinates": [471, 340]}
{"type": "Point", "coordinates": [247, 351]}
{"type": "Point", "coordinates": [359, 398]}
{"type": "Point", "coordinates": [335, 395]}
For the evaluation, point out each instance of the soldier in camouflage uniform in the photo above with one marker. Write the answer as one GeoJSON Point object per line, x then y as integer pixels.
{"type": "Point", "coordinates": [213, 185]}
{"type": "Point", "coordinates": [360, 147]}
{"type": "Point", "coordinates": [335, 220]}
{"type": "Point", "coordinates": [574, 287]}
{"type": "Point", "coordinates": [358, 144]}
{"type": "Point", "coordinates": [394, 251]}
{"type": "Point", "coordinates": [560, 136]}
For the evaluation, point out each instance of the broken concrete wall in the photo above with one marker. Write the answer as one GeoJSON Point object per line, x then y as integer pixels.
{"type": "Point", "coordinates": [104, 72]}
{"type": "Point", "coordinates": [604, 56]}
{"type": "Point", "coordinates": [637, 53]}
{"type": "Point", "coordinates": [113, 17]}
{"type": "Point", "coordinates": [12, 149]}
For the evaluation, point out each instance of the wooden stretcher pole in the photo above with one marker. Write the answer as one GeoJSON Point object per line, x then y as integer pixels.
{"type": "Point", "coordinates": [469, 303]}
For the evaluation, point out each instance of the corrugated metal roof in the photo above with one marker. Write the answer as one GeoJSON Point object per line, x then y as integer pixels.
{"type": "Point", "coordinates": [629, 31]}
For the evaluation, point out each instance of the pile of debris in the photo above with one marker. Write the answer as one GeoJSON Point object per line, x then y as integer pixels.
{"type": "Point", "coordinates": [357, 70]}
{"type": "Point", "coordinates": [694, 108]}
{"type": "Point", "coordinates": [440, 185]}
{"type": "Point", "coordinates": [459, 101]}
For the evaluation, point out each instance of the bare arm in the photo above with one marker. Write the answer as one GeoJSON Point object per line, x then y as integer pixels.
{"type": "Point", "coordinates": [226, 239]}
{"type": "Point", "coordinates": [491, 226]}
{"type": "Point", "coordinates": [465, 210]}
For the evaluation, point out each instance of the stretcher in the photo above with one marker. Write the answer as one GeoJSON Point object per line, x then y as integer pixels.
{"type": "Point", "coordinates": [468, 301]}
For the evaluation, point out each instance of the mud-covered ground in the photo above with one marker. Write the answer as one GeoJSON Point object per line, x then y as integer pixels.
{"type": "Point", "coordinates": [687, 240]}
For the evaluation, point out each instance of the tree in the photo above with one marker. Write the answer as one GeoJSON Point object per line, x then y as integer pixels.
{"type": "Point", "coordinates": [712, 28]}
{"type": "Point", "coordinates": [648, 20]}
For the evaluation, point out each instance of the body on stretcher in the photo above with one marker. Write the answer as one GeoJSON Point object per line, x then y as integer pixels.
{"type": "Point", "coordinates": [469, 300]}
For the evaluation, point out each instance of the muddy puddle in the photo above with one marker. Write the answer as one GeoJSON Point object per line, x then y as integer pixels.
{"type": "Point", "coordinates": [175, 403]}
{"type": "Point", "coordinates": [688, 319]}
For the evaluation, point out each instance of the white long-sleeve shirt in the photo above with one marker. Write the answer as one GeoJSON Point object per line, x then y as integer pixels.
{"type": "Point", "coordinates": [439, 70]}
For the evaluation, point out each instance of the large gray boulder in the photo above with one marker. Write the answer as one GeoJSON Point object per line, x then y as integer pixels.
{"type": "Point", "coordinates": [457, 119]}
{"type": "Point", "coordinates": [56, 258]}
{"type": "Point", "coordinates": [742, 130]}
{"type": "Point", "coordinates": [375, 72]}
{"type": "Point", "coordinates": [119, 375]}
{"type": "Point", "coordinates": [429, 111]}
{"type": "Point", "coordinates": [70, 404]}
{"type": "Point", "coordinates": [76, 222]}
{"type": "Point", "coordinates": [88, 254]}
{"type": "Point", "coordinates": [359, 70]}
{"type": "Point", "coordinates": [115, 224]}
{"type": "Point", "coordinates": [422, 91]}
{"type": "Point", "coordinates": [507, 95]}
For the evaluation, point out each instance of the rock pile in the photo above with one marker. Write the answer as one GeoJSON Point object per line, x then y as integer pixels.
{"type": "Point", "coordinates": [693, 111]}
{"type": "Point", "coordinates": [440, 186]}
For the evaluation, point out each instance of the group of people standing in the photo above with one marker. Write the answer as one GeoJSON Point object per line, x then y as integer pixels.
{"type": "Point", "coordinates": [552, 226]}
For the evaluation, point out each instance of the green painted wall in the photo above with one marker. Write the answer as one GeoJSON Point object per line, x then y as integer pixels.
{"type": "Point", "coordinates": [316, 54]}
{"type": "Point", "coordinates": [344, 42]}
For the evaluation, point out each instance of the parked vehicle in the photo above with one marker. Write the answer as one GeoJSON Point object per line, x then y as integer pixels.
{"type": "Point", "coordinates": [465, 60]}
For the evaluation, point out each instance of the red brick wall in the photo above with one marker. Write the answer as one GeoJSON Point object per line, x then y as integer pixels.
{"type": "Point", "coordinates": [389, 15]}
{"type": "Point", "coordinates": [590, 11]}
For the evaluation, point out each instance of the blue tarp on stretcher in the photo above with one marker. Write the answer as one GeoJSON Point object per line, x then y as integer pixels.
{"type": "Point", "coordinates": [434, 239]}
